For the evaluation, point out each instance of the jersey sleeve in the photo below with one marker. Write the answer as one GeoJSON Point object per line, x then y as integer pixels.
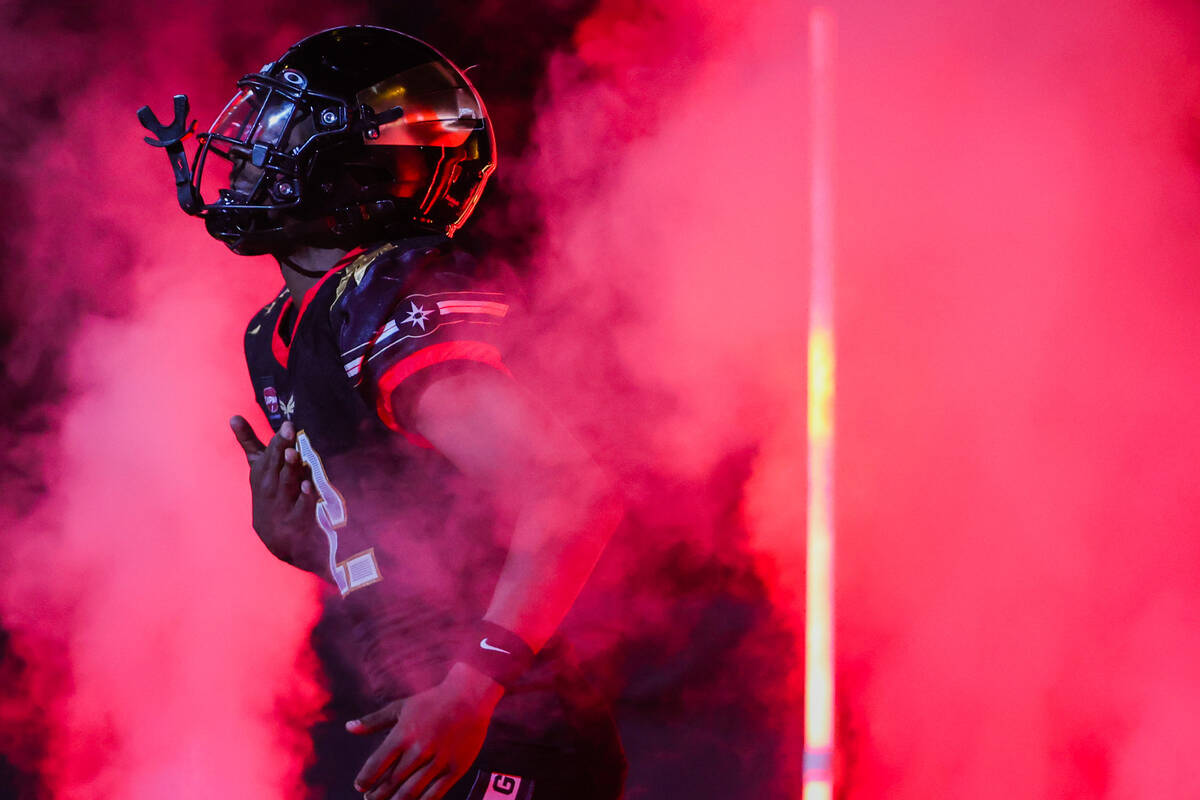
{"type": "Point", "coordinates": [403, 315]}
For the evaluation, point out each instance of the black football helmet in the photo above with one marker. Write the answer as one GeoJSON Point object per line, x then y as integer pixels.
{"type": "Point", "coordinates": [354, 135]}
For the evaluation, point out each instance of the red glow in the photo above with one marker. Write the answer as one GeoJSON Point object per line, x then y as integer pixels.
{"type": "Point", "coordinates": [1017, 313]}
{"type": "Point", "coordinates": [1017, 324]}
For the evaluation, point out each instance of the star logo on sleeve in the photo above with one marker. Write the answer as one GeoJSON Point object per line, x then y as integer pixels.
{"type": "Point", "coordinates": [417, 316]}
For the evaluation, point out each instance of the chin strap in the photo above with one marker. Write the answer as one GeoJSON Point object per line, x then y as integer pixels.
{"type": "Point", "coordinates": [350, 255]}
{"type": "Point", "coordinates": [308, 273]}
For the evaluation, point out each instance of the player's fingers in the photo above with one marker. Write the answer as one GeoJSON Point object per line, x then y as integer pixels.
{"type": "Point", "coordinates": [412, 772]}
{"type": "Point", "coordinates": [376, 720]}
{"type": "Point", "coordinates": [439, 787]}
{"type": "Point", "coordinates": [398, 750]}
{"type": "Point", "coordinates": [421, 781]}
{"type": "Point", "coordinates": [290, 475]}
{"type": "Point", "coordinates": [246, 437]}
{"type": "Point", "coordinates": [305, 502]}
{"type": "Point", "coordinates": [269, 477]}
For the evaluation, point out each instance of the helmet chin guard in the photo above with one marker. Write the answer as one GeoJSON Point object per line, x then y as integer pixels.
{"type": "Point", "coordinates": [354, 135]}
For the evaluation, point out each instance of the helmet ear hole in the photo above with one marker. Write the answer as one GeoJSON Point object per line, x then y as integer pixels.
{"type": "Point", "coordinates": [363, 176]}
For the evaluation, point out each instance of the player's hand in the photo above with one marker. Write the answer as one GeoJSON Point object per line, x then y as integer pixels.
{"type": "Point", "coordinates": [435, 736]}
{"type": "Point", "coordinates": [283, 500]}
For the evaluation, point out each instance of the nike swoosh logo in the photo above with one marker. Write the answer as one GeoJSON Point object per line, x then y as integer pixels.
{"type": "Point", "coordinates": [484, 644]}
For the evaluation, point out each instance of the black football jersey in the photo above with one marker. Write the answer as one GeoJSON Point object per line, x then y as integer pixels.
{"type": "Point", "coordinates": [414, 549]}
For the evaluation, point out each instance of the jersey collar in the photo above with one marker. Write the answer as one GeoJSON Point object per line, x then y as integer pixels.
{"type": "Point", "coordinates": [279, 347]}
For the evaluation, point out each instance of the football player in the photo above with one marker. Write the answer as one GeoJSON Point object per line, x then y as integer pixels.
{"type": "Point", "coordinates": [452, 518]}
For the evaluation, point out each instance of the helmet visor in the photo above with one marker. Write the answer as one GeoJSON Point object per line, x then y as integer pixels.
{"type": "Point", "coordinates": [439, 109]}
{"type": "Point", "coordinates": [255, 115]}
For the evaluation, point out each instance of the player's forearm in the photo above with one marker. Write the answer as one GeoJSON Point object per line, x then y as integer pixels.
{"type": "Point", "coordinates": [557, 539]}
{"type": "Point", "coordinates": [564, 504]}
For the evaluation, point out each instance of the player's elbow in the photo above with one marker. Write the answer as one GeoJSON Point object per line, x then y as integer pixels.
{"type": "Point", "coordinates": [588, 500]}
{"type": "Point", "coordinates": [606, 503]}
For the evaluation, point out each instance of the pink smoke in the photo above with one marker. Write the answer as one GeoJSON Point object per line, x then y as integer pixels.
{"type": "Point", "coordinates": [1016, 309]}
{"type": "Point", "coordinates": [165, 651]}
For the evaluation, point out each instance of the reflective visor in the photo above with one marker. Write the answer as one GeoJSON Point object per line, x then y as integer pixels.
{"type": "Point", "coordinates": [248, 118]}
{"type": "Point", "coordinates": [440, 110]}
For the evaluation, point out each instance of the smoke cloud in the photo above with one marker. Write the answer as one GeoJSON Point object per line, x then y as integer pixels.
{"type": "Point", "coordinates": [133, 594]}
{"type": "Point", "coordinates": [1016, 316]}
{"type": "Point", "coordinates": [1016, 310]}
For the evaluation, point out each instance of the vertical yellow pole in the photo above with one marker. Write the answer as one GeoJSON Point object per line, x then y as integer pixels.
{"type": "Point", "coordinates": [818, 629]}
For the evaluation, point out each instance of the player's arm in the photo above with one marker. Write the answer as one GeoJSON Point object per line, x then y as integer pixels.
{"type": "Point", "coordinates": [565, 505]}
{"type": "Point", "coordinates": [565, 511]}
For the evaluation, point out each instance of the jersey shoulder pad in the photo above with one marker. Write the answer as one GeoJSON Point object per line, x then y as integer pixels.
{"type": "Point", "coordinates": [415, 307]}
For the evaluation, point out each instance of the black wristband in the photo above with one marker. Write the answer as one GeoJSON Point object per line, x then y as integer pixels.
{"type": "Point", "coordinates": [498, 653]}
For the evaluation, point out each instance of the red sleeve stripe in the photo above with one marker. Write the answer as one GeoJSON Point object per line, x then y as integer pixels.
{"type": "Point", "coordinates": [426, 357]}
{"type": "Point", "coordinates": [472, 307]}
{"type": "Point", "coordinates": [278, 348]}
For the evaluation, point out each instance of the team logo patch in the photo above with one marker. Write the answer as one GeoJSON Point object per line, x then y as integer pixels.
{"type": "Point", "coordinates": [417, 315]}
{"type": "Point", "coordinates": [500, 786]}
{"type": "Point", "coordinates": [421, 315]}
{"type": "Point", "coordinates": [271, 400]}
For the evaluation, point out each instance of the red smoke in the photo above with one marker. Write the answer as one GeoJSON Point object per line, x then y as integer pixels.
{"type": "Point", "coordinates": [1017, 315]}
{"type": "Point", "coordinates": [1017, 312]}
{"type": "Point", "coordinates": [164, 650]}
